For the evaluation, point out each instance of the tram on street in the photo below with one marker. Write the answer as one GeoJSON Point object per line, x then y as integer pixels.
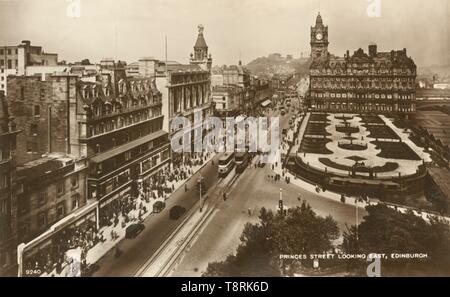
{"type": "Point", "coordinates": [242, 160]}
{"type": "Point", "coordinates": [226, 164]}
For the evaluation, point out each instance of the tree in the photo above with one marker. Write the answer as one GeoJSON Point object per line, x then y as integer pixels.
{"type": "Point", "coordinates": [299, 231]}
{"type": "Point", "coordinates": [385, 230]}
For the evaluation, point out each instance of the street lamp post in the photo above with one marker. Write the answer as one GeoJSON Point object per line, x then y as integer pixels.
{"type": "Point", "coordinates": [201, 196]}
{"type": "Point", "coordinates": [356, 203]}
{"type": "Point", "coordinates": [280, 202]}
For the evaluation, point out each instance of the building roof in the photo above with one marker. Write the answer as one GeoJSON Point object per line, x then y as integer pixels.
{"type": "Point", "coordinates": [318, 19]}
{"type": "Point", "coordinates": [43, 166]}
{"type": "Point", "coordinates": [200, 43]}
{"type": "Point", "coordinates": [392, 59]}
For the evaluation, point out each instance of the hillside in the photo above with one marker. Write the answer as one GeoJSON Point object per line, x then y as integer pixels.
{"type": "Point", "coordinates": [277, 64]}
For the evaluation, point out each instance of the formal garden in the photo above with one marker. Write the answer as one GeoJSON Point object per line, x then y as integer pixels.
{"type": "Point", "coordinates": [366, 145]}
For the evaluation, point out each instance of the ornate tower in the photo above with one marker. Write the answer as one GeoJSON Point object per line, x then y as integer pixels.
{"type": "Point", "coordinates": [319, 40]}
{"type": "Point", "coordinates": [200, 56]}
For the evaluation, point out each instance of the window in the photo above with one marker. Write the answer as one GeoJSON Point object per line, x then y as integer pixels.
{"type": "Point", "coordinates": [42, 198]}
{"type": "Point", "coordinates": [3, 181]}
{"type": "Point", "coordinates": [2, 51]}
{"type": "Point", "coordinates": [74, 181]}
{"type": "Point", "coordinates": [42, 94]}
{"type": "Point", "coordinates": [60, 188]}
{"type": "Point", "coordinates": [32, 146]}
{"type": "Point", "coordinates": [3, 206]}
{"type": "Point", "coordinates": [60, 211]}
{"type": "Point", "coordinates": [22, 92]}
{"type": "Point", "coordinates": [9, 51]}
{"type": "Point", "coordinates": [42, 220]}
{"type": "Point", "coordinates": [33, 129]}
{"type": "Point", "coordinates": [2, 62]}
{"type": "Point", "coordinates": [9, 64]}
{"type": "Point", "coordinates": [17, 51]}
{"type": "Point", "coordinates": [37, 110]}
{"type": "Point", "coordinates": [75, 201]}
{"type": "Point", "coordinates": [127, 155]}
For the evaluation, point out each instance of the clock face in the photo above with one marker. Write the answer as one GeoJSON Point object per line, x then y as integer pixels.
{"type": "Point", "coordinates": [319, 36]}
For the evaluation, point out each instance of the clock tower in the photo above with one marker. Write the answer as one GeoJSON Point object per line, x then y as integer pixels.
{"type": "Point", "coordinates": [319, 40]}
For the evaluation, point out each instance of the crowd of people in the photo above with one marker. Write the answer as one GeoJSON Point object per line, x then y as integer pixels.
{"type": "Point", "coordinates": [116, 214]}
{"type": "Point", "coordinates": [52, 257]}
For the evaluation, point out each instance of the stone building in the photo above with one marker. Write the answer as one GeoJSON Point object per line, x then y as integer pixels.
{"type": "Point", "coordinates": [227, 99]}
{"type": "Point", "coordinates": [236, 75]}
{"type": "Point", "coordinates": [8, 200]}
{"type": "Point", "coordinates": [120, 125]}
{"type": "Point", "coordinates": [48, 189]}
{"type": "Point", "coordinates": [380, 82]}
{"type": "Point", "coordinates": [42, 108]}
{"type": "Point", "coordinates": [185, 88]}
{"type": "Point", "coordinates": [50, 178]}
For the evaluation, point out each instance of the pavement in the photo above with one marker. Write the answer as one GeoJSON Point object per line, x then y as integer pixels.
{"type": "Point", "coordinates": [158, 227]}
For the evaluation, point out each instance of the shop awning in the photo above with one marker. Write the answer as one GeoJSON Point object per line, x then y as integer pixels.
{"type": "Point", "coordinates": [126, 147]}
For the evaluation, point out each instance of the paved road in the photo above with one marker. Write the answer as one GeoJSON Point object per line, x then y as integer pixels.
{"type": "Point", "coordinates": [221, 236]}
{"type": "Point", "coordinates": [157, 228]}
{"type": "Point", "coordinates": [253, 190]}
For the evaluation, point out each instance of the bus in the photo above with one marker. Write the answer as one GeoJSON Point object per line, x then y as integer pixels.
{"type": "Point", "coordinates": [226, 163]}
{"type": "Point", "coordinates": [241, 159]}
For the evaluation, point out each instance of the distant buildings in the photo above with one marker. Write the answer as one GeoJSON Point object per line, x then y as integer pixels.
{"type": "Point", "coordinates": [236, 75]}
{"type": "Point", "coordinates": [227, 99]}
{"type": "Point", "coordinates": [381, 82]}
{"type": "Point", "coordinates": [15, 60]}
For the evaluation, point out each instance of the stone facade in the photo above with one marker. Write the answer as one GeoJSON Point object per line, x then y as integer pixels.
{"type": "Point", "coordinates": [380, 82]}
{"type": "Point", "coordinates": [40, 108]}
{"type": "Point", "coordinates": [120, 125]}
{"type": "Point", "coordinates": [48, 189]}
{"type": "Point", "coordinates": [8, 199]}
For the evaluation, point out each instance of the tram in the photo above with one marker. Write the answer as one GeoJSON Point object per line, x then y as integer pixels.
{"type": "Point", "coordinates": [226, 164]}
{"type": "Point", "coordinates": [241, 159]}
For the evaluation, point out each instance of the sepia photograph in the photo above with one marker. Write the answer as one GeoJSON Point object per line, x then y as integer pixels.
{"type": "Point", "coordinates": [195, 139]}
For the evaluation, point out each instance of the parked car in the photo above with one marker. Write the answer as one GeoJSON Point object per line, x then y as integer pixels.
{"type": "Point", "coordinates": [133, 230]}
{"type": "Point", "coordinates": [176, 212]}
{"type": "Point", "coordinates": [158, 206]}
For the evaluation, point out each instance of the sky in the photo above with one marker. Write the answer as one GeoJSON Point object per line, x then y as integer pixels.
{"type": "Point", "coordinates": [234, 29]}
